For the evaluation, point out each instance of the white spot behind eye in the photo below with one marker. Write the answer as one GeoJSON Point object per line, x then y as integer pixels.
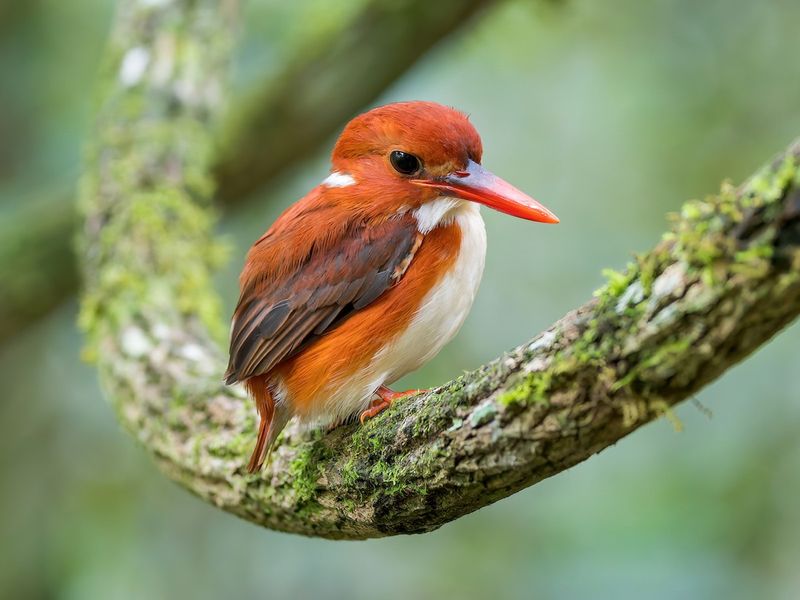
{"type": "Point", "coordinates": [337, 179]}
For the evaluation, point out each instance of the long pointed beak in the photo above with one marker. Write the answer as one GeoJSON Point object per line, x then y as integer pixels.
{"type": "Point", "coordinates": [480, 185]}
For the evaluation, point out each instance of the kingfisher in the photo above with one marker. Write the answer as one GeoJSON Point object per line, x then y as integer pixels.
{"type": "Point", "coordinates": [370, 274]}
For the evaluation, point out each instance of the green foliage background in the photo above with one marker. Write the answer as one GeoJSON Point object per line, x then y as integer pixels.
{"type": "Point", "coordinates": [611, 114]}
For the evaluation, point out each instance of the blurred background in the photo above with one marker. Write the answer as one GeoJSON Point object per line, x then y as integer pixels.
{"type": "Point", "coordinates": [611, 113]}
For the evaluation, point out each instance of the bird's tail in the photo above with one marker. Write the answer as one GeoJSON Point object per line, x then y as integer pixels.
{"type": "Point", "coordinates": [273, 418]}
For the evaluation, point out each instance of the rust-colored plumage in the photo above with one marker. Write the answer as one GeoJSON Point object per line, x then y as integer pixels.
{"type": "Point", "coordinates": [367, 276]}
{"type": "Point", "coordinates": [352, 344]}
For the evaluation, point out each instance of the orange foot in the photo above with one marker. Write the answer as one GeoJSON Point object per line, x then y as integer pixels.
{"type": "Point", "coordinates": [384, 401]}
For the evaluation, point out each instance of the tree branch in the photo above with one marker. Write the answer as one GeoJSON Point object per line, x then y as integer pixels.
{"type": "Point", "coordinates": [37, 262]}
{"type": "Point", "coordinates": [285, 119]}
{"type": "Point", "coordinates": [720, 283]}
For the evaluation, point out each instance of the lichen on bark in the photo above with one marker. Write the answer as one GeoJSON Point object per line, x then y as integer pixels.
{"type": "Point", "coordinates": [724, 279]}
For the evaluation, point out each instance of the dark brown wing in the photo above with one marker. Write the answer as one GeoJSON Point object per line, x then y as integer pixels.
{"type": "Point", "coordinates": [275, 319]}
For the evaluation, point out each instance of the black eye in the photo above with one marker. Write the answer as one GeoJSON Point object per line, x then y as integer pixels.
{"type": "Point", "coordinates": [404, 163]}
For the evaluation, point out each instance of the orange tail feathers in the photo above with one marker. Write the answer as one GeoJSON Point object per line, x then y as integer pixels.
{"type": "Point", "coordinates": [273, 418]}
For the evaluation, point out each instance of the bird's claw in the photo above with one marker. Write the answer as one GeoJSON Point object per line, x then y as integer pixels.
{"type": "Point", "coordinates": [384, 400]}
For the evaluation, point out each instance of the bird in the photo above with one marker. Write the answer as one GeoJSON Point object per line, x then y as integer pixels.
{"type": "Point", "coordinates": [369, 275]}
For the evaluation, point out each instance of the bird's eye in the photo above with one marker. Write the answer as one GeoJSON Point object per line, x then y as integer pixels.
{"type": "Point", "coordinates": [404, 163]}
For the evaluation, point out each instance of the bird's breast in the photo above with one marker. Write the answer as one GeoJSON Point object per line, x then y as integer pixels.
{"type": "Point", "coordinates": [337, 375]}
{"type": "Point", "coordinates": [443, 309]}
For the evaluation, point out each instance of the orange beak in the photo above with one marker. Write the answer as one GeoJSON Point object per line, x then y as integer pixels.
{"type": "Point", "coordinates": [480, 185]}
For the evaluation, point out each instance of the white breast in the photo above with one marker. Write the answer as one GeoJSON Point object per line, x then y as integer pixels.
{"type": "Point", "coordinates": [436, 322]}
{"type": "Point", "coordinates": [446, 306]}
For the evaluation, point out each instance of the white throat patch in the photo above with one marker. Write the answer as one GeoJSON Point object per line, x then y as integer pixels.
{"type": "Point", "coordinates": [338, 180]}
{"type": "Point", "coordinates": [437, 212]}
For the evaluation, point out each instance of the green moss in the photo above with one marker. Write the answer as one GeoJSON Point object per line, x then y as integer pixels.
{"type": "Point", "coordinates": [369, 439]}
{"type": "Point", "coordinates": [238, 447]}
{"type": "Point", "coordinates": [753, 262]}
{"type": "Point", "coordinates": [153, 257]}
{"type": "Point", "coordinates": [702, 237]}
{"type": "Point", "coordinates": [617, 282]}
{"type": "Point", "coordinates": [649, 266]}
{"type": "Point", "coordinates": [388, 474]}
{"type": "Point", "coordinates": [404, 474]}
{"type": "Point", "coordinates": [533, 389]}
{"type": "Point", "coordinates": [147, 181]}
{"type": "Point", "coordinates": [769, 185]}
{"type": "Point", "coordinates": [664, 359]}
{"type": "Point", "coordinates": [436, 410]}
{"type": "Point", "coordinates": [391, 475]}
{"type": "Point", "coordinates": [349, 472]}
{"type": "Point", "coordinates": [307, 467]}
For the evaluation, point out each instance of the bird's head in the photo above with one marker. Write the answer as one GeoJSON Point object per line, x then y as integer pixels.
{"type": "Point", "coordinates": [404, 155]}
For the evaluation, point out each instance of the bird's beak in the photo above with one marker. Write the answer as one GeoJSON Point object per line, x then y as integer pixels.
{"type": "Point", "coordinates": [480, 185]}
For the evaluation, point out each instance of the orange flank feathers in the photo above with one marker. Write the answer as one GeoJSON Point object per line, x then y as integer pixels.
{"type": "Point", "coordinates": [369, 275]}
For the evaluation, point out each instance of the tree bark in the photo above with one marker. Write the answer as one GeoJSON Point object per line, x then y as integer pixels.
{"type": "Point", "coordinates": [721, 282]}
{"type": "Point", "coordinates": [281, 122]}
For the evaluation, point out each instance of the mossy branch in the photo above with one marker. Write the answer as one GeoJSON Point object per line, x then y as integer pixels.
{"type": "Point", "coordinates": [722, 281]}
{"type": "Point", "coordinates": [283, 120]}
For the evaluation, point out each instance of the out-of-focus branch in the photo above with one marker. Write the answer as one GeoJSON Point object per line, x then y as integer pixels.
{"type": "Point", "coordinates": [723, 281]}
{"type": "Point", "coordinates": [284, 120]}
{"type": "Point", "coordinates": [37, 262]}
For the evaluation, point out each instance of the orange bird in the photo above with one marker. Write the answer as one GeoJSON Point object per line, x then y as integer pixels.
{"type": "Point", "coordinates": [368, 276]}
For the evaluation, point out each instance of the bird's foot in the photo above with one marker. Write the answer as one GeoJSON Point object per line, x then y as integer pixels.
{"type": "Point", "coordinates": [384, 401]}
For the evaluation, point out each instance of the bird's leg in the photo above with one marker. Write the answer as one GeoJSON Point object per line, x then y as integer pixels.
{"type": "Point", "coordinates": [384, 401]}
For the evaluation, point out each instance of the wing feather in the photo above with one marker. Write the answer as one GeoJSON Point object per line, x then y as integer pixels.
{"type": "Point", "coordinates": [275, 318]}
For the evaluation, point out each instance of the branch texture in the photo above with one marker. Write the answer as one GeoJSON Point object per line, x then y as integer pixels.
{"type": "Point", "coordinates": [717, 286]}
{"type": "Point", "coordinates": [280, 123]}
